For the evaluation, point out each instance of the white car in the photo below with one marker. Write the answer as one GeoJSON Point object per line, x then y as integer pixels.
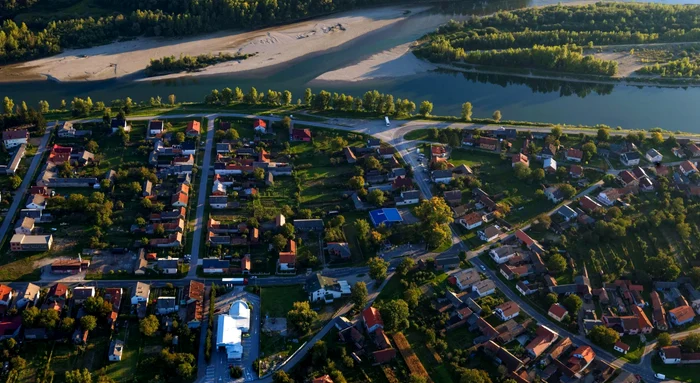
{"type": "Point", "coordinates": [483, 268]}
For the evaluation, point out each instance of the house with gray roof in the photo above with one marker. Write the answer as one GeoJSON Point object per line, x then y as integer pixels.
{"type": "Point", "coordinates": [309, 225]}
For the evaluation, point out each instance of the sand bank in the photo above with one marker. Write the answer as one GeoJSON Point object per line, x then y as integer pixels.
{"type": "Point", "coordinates": [272, 46]}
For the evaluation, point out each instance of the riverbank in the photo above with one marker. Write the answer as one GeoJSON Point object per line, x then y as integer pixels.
{"type": "Point", "coordinates": [271, 46]}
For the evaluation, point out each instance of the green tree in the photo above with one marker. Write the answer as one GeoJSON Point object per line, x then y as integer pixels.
{"type": "Point", "coordinates": [572, 303]}
{"type": "Point", "coordinates": [92, 146]}
{"type": "Point", "coordinates": [358, 295]}
{"type": "Point", "coordinates": [522, 171]}
{"type": "Point", "coordinates": [376, 197]}
{"type": "Point", "coordinates": [252, 96]}
{"type": "Point", "coordinates": [301, 317]}
{"type": "Point", "coordinates": [470, 375]}
{"type": "Point", "coordinates": [426, 107]}
{"type": "Point", "coordinates": [172, 99]}
{"type": "Point", "coordinates": [691, 343]}
{"type": "Point", "coordinates": [356, 182]}
{"type": "Point", "coordinates": [78, 376]}
{"type": "Point", "coordinates": [67, 324]}
{"type": "Point", "coordinates": [15, 181]}
{"type": "Point", "coordinates": [377, 268]}
{"type": "Point", "coordinates": [664, 339]}
{"type": "Point", "coordinates": [232, 134]}
{"type": "Point", "coordinates": [467, 111]}
{"type": "Point", "coordinates": [281, 377]}
{"type": "Point", "coordinates": [279, 242]}
{"type": "Point", "coordinates": [394, 315]}
{"type": "Point", "coordinates": [497, 116]}
{"type": "Point", "coordinates": [287, 230]}
{"type": "Point", "coordinates": [319, 354]}
{"type": "Point", "coordinates": [149, 325]}
{"type": "Point", "coordinates": [259, 174]}
{"type": "Point", "coordinates": [567, 190]}
{"type": "Point", "coordinates": [88, 322]}
{"type": "Point", "coordinates": [657, 138]}
{"type": "Point", "coordinates": [179, 138]}
{"type": "Point", "coordinates": [44, 106]}
{"type": "Point", "coordinates": [604, 336]}
{"type": "Point", "coordinates": [286, 97]}
{"type": "Point", "coordinates": [694, 274]}
{"type": "Point", "coordinates": [544, 221]}
{"type": "Point", "coordinates": [603, 134]}
{"type": "Point", "coordinates": [8, 106]}
{"type": "Point", "coordinates": [405, 266]}
{"type": "Point", "coordinates": [589, 150]}
{"type": "Point", "coordinates": [538, 174]}
{"type": "Point", "coordinates": [557, 132]}
{"type": "Point", "coordinates": [308, 97]}
{"type": "Point", "coordinates": [412, 297]}
{"type": "Point", "coordinates": [551, 299]}
{"type": "Point", "coordinates": [556, 263]}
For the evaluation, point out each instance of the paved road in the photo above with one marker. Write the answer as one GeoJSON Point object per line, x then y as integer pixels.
{"type": "Point", "coordinates": [19, 196]}
{"type": "Point", "coordinates": [202, 195]}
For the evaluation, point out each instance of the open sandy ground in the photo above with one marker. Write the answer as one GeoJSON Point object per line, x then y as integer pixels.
{"type": "Point", "coordinates": [272, 46]}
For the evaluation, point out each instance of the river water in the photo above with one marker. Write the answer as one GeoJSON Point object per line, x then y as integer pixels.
{"type": "Point", "coordinates": [517, 98]}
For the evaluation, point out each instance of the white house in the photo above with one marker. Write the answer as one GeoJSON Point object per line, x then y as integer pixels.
{"type": "Point", "coordinates": [687, 168]}
{"type": "Point", "coordinates": [324, 288]}
{"type": "Point", "coordinates": [116, 349]}
{"type": "Point", "coordinates": [442, 176]}
{"type": "Point", "coordinates": [671, 354]}
{"type": "Point", "coordinates": [608, 197]}
{"type": "Point", "coordinates": [489, 234]}
{"type": "Point", "coordinates": [653, 155]}
{"type": "Point", "coordinates": [525, 288]}
{"type": "Point", "coordinates": [141, 293]}
{"type": "Point", "coordinates": [507, 311]}
{"type": "Point", "coordinates": [465, 279]}
{"type": "Point", "coordinates": [630, 158]}
{"type": "Point", "coordinates": [472, 220]}
{"type": "Point", "coordinates": [372, 319]}
{"type": "Point", "coordinates": [484, 288]}
{"type": "Point", "coordinates": [554, 194]}
{"type": "Point", "coordinates": [409, 197]}
{"type": "Point", "coordinates": [503, 254]}
{"type": "Point", "coordinates": [621, 347]}
{"type": "Point", "coordinates": [36, 201]}
{"type": "Point", "coordinates": [12, 138]}
{"type": "Point", "coordinates": [550, 165]}
{"type": "Point", "coordinates": [229, 337]}
{"type": "Point", "coordinates": [156, 127]}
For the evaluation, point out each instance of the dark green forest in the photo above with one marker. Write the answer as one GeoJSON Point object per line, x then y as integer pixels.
{"type": "Point", "coordinates": [187, 63]}
{"type": "Point", "coordinates": [558, 26]}
{"type": "Point", "coordinates": [132, 18]}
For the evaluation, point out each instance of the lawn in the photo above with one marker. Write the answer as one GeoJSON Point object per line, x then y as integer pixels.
{"type": "Point", "coordinates": [126, 369]}
{"type": "Point", "coordinates": [277, 301]}
{"type": "Point", "coordinates": [437, 371]}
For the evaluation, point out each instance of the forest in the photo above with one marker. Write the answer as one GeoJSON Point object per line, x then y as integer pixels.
{"type": "Point", "coordinates": [151, 18]}
{"type": "Point", "coordinates": [187, 63]}
{"type": "Point", "coordinates": [558, 26]}
{"type": "Point", "coordinates": [683, 68]}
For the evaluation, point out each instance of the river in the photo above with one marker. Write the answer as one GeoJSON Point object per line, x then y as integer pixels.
{"type": "Point", "coordinates": [517, 98]}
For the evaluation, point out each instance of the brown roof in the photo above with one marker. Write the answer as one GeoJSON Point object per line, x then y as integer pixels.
{"type": "Point", "coordinates": [509, 308]}
{"type": "Point", "coordinates": [672, 352]}
{"type": "Point", "coordinates": [5, 293]}
{"type": "Point", "coordinates": [520, 158]}
{"type": "Point", "coordinates": [15, 134]}
{"type": "Point", "coordinates": [574, 153]}
{"type": "Point", "coordinates": [384, 356]}
{"type": "Point", "coordinates": [58, 290]}
{"type": "Point", "coordinates": [622, 346]}
{"type": "Point", "coordinates": [627, 176]}
{"type": "Point", "coordinates": [682, 313]}
{"type": "Point", "coordinates": [576, 170]}
{"type": "Point", "coordinates": [558, 310]}
{"type": "Point", "coordinates": [472, 218]}
{"type": "Point", "coordinates": [372, 317]}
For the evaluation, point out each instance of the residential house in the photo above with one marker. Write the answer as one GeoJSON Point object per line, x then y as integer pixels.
{"type": "Point", "coordinates": [442, 176]}
{"type": "Point", "coordinates": [69, 266]}
{"type": "Point", "coordinates": [694, 150]}
{"type": "Point", "coordinates": [558, 312]}
{"type": "Point", "coordinates": [507, 310]}
{"type": "Point", "coordinates": [588, 204]}
{"type": "Point", "coordinates": [548, 152]}
{"type": "Point", "coordinates": [167, 266]}
{"type": "Point", "coordinates": [490, 233]}
{"type": "Point", "coordinates": [501, 356]}
{"type": "Point", "coordinates": [654, 156]}
{"type": "Point", "coordinates": [464, 279]}
{"type": "Point", "coordinates": [608, 196]}
{"type": "Point", "coordinates": [82, 293]}
{"type": "Point", "coordinates": [567, 212]}
{"type": "Point", "coordinates": [116, 350]}
{"type": "Point", "coordinates": [472, 220]}
{"type": "Point", "coordinates": [36, 243]}
{"type": "Point", "coordinates": [349, 155]}
{"type": "Point", "coordinates": [575, 155]}
{"type": "Point", "coordinates": [322, 379]}
{"type": "Point", "coordinates": [215, 266]}
{"type": "Point", "coordinates": [520, 159]}
{"type": "Point", "coordinates": [402, 183]}
{"type": "Point", "coordinates": [27, 295]}
{"type": "Point", "coordinates": [525, 288]}
{"type": "Point", "coordinates": [117, 123]}
{"type": "Point", "coordinates": [681, 315]}
{"type": "Point", "coordinates": [303, 135]}
{"type": "Point", "coordinates": [503, 254]}
{"type": "Point", "coordinates": [374, 143]}
{"type": "Point", "coordinates": [24, 226]}
{"type": "Point", "coordinates": [36, 201]}
{"type": "Point", "coordinates": [438, 151]}
{"type": "Point", "coordinates": [488, 143]}
{"type": "Point", "coordinates": [544, 338]}
{"type": "Point", "coordinates": [339, 249]}
{"type": "Point", "coordinates": [193, 301]}
{"type": "Point", "coordinates": [687, 168]}
{"type": "Point", "coordinates": [305, 225]}
{"type": "Point", "coordinates": [621, 347]}
{"type": "Point", "coordinates": [13, 138]}
{"type": "Point", "coordinates": [453, 197]}
{"type": "Point", "coordinates": [627, 178]}
{"type": "Point", "coordinates": [156, 127]}
{"type": "Point", "coordinates": [630, 158]}
{"type": "Point", "coordinates": [372, 319]}
{"type": "Point", "coordinates": [166, 305]}
{"type": "Point", "coordinates": [554, 194]}
{"type": "Point", "coordinates": [659, 313]}
{"type": "Point", "coordinates": [446, 262]}
{"type": "Point", "coordinates": [550, 165]}
{"type": "Point", "coordinates": [173, 240]}
{"type": "Point", "coordinates": [10, 328]}
{"type": "Point", "coordinates": [409, 197]}
{"type": "Point", "coordinates": [5, 297]}
{"type": "Point", "coordinates": [675, 355]}
{"type": "Point", "coordinates": [512, 272]}
{"type": "Point", "coordinates": [324, 288]}
{"type": "Point", "coordinates": [141, 293]}
{"type": "Point", "coordinates": [484, 287]}
{"type": "Point", "coordinates": [287, 258]}
{"type": "Point", "coordinates": [576, 171]}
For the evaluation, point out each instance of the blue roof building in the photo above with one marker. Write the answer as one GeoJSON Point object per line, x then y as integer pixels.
{"type": "Point", "coordinates": [385, 216]}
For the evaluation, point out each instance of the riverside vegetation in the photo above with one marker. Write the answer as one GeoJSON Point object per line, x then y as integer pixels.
{"type": "Point", "coordinates": [551, 38]}
{"type": "Point", "coordinates": [188, 63]}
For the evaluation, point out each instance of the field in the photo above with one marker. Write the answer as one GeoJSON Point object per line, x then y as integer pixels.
{"type": "Point", "coordinates": [412, 361]}
{"type": "Point", "coordinates": [687, 374]}
{"type": "Point", "coordinates": [277, 301]}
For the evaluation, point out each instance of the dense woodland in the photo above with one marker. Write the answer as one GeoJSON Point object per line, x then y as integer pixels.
{"type": "Point", "coordinates": [153, 18]}
{"type": "Point", "coordinates": [557, 26]}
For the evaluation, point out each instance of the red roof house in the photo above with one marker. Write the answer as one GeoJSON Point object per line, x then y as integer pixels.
{"type": "Point", "coordinates": [301, 135]}
{"type": "Point", "coordinates": [372, 319]}
{"type": "Point", "coordinates": [193, 128]}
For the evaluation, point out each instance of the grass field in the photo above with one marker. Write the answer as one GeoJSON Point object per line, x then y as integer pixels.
{"type": "Point", "coordinates": [277, 301]}
{"type": "Point", "coordinates": [686, 374]}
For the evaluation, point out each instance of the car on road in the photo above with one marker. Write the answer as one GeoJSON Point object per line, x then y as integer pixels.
{"type": "Point", "coordinates": [660, 376]}
{"type": "Point", "coordinates": [482, 268]}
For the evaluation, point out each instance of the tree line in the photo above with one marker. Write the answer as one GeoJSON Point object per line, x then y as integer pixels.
{"type": "Point", "coordinates": [683, 68]}
{"type": "Point", "coordinates": [552, 58]}
{"type": "Point", "coordinates": [156, 18]}
{"type": "Point", "coordinates": [188, 63]}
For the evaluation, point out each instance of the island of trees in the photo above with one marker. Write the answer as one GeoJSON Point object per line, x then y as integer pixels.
{"type": "Point", "coordinates": [683, 68]}
{"type": "Point", "coordinates": [189, 63]}
{"type": "Point", "coordinates": [551, 38]}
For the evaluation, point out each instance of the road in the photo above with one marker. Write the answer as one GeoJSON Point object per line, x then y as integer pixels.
{"type": "Point", "coordinates": [202, 195]}
{"type": "Point", "coordinates": [19, 196]}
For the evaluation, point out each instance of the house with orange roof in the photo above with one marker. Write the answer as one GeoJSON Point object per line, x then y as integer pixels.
{"type": "Point", "coordinates": [288, 258]}
{"type": "Point", "coordinates": [558, 312]}
{"type": "Point", "coordinates": [520, 159]}
{"type": "Point", "coordinates": [544, 337]}
{"type": "Point", "coordinates": [681, 315]}
{"type": "Point", "coordinates": [193, 129]}
{"type": "Point", "coordinates": [372, 319]}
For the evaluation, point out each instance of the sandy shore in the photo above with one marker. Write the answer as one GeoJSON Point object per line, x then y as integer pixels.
{"type": "Point", "coordinates": [272, 46]}
{"type": "Point", "coordinates": [396, 62]}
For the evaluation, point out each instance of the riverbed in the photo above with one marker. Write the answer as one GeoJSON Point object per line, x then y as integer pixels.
{"type": "Point", "coordinates": [516, 98]}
